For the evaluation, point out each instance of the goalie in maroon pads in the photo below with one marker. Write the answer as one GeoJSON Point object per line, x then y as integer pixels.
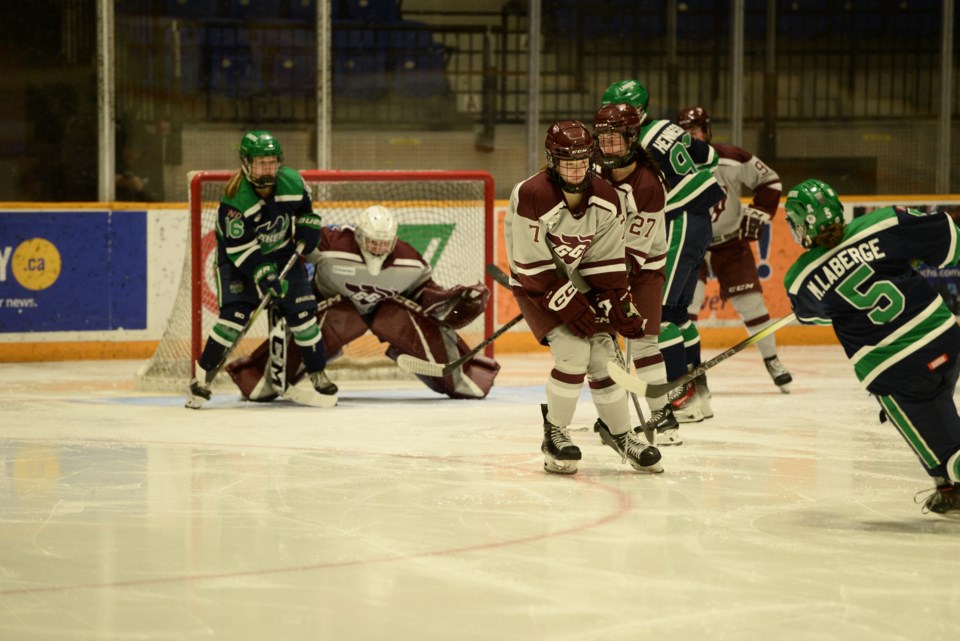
{"type": "Point", "coordinates": [368, 279]}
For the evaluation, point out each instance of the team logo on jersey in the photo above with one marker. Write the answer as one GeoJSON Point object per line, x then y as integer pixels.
{"type": "Point", "coordinates": [366, 294]}
{"type": "Point", "coordinates": [569, 249]}
{"type": "Point", "coordinates": [273, 234]}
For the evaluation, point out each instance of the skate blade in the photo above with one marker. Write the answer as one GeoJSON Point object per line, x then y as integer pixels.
{"type": "Point", "coordinates": [194, 402]}
{"type": "Point", "coordinates": [656, 468]}
{"type": "Point", "coordinates": [666, 438]}
{"type": "Point", "coordinates": [555, 466]}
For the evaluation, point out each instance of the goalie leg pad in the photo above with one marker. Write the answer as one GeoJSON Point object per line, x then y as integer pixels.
{"type": "Point", "coordinates": [410, 332]}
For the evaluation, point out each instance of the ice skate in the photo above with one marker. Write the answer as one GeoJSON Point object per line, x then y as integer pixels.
{"type": "Point", "coordinates": [781, 377]}
{"type": "Point", "coordinates": [323, 384]}
{"type": "Point", "coordinates": [642, 457]}
{"type": "Point", "coordinates": [664, 426]}
{"type": "Point", "coordinates": [198, 392]}
{"type": "Point", "coordinates": [704, 395]}
{"type": "Point", "coordinates": [560, 455]}
{"type": "Point", "coordinates": [686, 405]}
{"type": "Point", "coordinates": [943, 501]}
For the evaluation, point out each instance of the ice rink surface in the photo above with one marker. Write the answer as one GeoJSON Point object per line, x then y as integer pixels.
{"type": "Point", "coordinates": [402, 515]}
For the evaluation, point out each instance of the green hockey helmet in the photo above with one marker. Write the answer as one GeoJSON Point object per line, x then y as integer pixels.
{"type": "Point", "coordinates": [630, 92]}
{"type": "Point", "coordinates": [811, 207]}
{"type": "Point", "coordinates": [259, 144]}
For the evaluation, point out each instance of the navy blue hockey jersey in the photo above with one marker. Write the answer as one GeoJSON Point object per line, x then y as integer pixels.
{"type": "Point", "coordinates": [887, 316]}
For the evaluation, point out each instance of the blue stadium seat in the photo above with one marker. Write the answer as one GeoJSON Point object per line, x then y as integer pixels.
{"type": "Point", "coordinates": [302, 10]}
{"type": "Point", "coordinates": [290, 60]}
{"type": "Point", "coordinates": [254, 9]}
{"type": "Point", "coordinates": [418, 62]}
{"type": "Point", "coordinates": [232, 70]}
{"type": "Point", "coordinates": [360, 75]}
{"type": "Point", "coordinates": [366, 10]}
{"type": "Point", "coordinates": [195, 9]}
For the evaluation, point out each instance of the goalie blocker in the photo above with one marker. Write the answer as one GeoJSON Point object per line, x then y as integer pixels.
{"type": "Point", "coordinates": [402, 323]}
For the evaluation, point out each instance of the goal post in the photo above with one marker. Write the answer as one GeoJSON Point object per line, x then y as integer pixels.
{"type": "Point", "coordinates": [446, 215]}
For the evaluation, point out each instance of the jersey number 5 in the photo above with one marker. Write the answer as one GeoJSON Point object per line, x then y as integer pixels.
{"type": "Point", "coordinates": [882, 298]}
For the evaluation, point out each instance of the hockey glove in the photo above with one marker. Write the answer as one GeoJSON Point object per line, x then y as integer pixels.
{"type": "Point", "coordinates": [308, 232]}
{"type": "Point", "coordinates": [617, 305]}
{"type": "Point", "coordinates": [268, 281]}
{"type": "Point", "coordinates": [752, 222]}
{"type": "Point", "coordinates": [573, 308]}
{"type": "Point", "coordinates": [455, 307]}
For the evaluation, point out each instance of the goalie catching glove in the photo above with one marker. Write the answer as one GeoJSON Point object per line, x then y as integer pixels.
{"type": "Point", "coordinates": [752, 222]}
{"type": "Point", "coordinates": [617, 305]}
{"type": "Point", "coordinates": [456, 307]}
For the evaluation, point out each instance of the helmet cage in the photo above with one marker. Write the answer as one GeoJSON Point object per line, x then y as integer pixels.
{"type": "Point", "coordinates": [376, 235]}
{"type": "Point", "coordinates": [569, 140]}
{"type": "Point", "coordinates": [259, 144]}
{"type": "Point", "coordinates": [618, 118]}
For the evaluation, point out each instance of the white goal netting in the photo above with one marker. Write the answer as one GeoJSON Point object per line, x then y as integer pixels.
{"type": "Point", "coordinates": [447, 216]}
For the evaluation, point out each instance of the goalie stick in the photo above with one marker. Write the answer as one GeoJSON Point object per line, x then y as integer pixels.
{"type": "Point", "coordinates": [419, 366]}
{"type": "Point", "coordinates": [501, 278]}
{"type": "Point", "coordinates": [633, 384]}
{"type": "Point", "coordinates": [277, 344]}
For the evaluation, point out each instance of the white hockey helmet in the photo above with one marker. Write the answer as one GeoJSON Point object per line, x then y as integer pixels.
{"type": "Point", "coordinates": [377, 236]}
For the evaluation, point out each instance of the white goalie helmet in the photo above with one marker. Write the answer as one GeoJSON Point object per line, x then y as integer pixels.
{"type": "Point", "coordinates": [377, 236]}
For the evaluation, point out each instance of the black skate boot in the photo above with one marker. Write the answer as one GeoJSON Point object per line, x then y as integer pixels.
{"type": "Point", "coordinates": [642, 457]}
{"type": "Point", "coordinates": [664, 425]}
{"type": "Point", "coordinates": [781, 377]}
{"type": "Point", "coordinates": [560, 455]}
{"type": "Point", "coordinates": [944, 501]}
{"type": "Point", "coordinates": [323, 384]}
{"type": "Point", "coordinates": [198, 392]}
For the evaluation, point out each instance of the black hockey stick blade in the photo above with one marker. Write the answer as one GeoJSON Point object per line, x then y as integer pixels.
{"type": "Point", "coordinates": [419, 366]}
{"type": "Point", "coordinates": [633, 384]}
{"type": "Point", "coordinates": [497, 274]}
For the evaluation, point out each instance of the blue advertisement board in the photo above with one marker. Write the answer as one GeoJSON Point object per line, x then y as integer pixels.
{"type": "Point", "coordinates": [73, 270]}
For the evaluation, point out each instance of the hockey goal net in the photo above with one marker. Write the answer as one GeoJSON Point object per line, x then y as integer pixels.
{"type": "Point", "coordinates": [446, 215]}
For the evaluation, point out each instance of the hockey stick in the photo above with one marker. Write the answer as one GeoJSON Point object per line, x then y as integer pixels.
{"type": "Point", "coordinates": [419, 366]}
{"type": "Point", "coordinates": [625, 363]}
{"type": "Point", "coordinates": [426, 368]}
{"type": "Point", "coordinates": [634, 384]}
{"type": "Point", "coordinates": [277, 345]}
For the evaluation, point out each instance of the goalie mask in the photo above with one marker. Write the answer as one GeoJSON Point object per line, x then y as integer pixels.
{"type": "Point", "coordinates": [569, 151]}
{"type": "Point", "coordinates": [630, 92]}
{"type": "Point", "coordinates": [616, 128]}
{"type": "Point", "coordinates": [376, 234]}
{"type": "Point", "coordinates": [695, 116]}
{"type": "Point", "coordinates": [812, 207]}
{"type": "Point", "coordinates": [260, 158]}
